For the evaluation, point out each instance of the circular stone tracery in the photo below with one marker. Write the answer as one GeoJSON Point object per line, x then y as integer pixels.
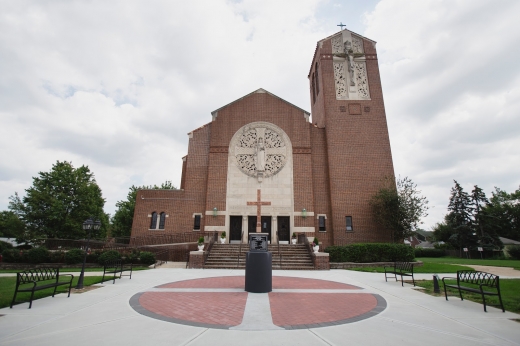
{"type": "Point", "coordinates": [294, 303]}
{"type": "Point", "coordinates": [259, 148]}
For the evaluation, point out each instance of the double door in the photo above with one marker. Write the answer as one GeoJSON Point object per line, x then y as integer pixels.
{"type": "Point", "coordinates": [265, 225]}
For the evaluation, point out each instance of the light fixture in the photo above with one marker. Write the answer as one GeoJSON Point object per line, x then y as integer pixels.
{"type": "Point", "coordinates": [88, 226]}
{"type": "Point", "coordinates": [304, 213]}
{"type": "Point", "coordinates": [215, 211]}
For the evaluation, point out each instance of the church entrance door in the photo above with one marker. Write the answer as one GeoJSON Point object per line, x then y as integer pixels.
{"type": "Point", "coordinates": [265, 226]}
{"type": "Point", "coordinates": [284, 229]}
{"type": "Point", "coordinates": [235, 228]}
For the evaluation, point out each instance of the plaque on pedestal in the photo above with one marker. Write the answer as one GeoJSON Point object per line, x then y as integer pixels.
{"type": "Point", "coordinates": [259, 265]}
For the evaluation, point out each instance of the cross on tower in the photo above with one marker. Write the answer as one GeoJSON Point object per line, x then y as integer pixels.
{"type": "Point", "coordinates": [259, 205]}
{"type": "Point", "coordinates": [341, 25]}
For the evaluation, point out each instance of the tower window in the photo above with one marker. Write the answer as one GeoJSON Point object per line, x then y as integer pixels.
{"type": "Point", "coordinates": [321, 223]}
{"type": "Point", "coordinates": [317, 80]}
{"type": "Point", "coordinates": [313, 86]}
{"type": "Point", "coordinates": [348, 221]}
{"type": "Point", "coordinates": [196, 222]}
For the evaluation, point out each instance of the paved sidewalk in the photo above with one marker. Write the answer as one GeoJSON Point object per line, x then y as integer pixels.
{"type": "Point", "coordinates": [105, 316]}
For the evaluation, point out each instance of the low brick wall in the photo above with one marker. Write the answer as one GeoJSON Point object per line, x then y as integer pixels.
{"type": "Point", "coordinates": [321, 261]}
{"type": "Point", "coordinates": [196, 259]}
{"type": "Point", "coordinates": [348, 265]}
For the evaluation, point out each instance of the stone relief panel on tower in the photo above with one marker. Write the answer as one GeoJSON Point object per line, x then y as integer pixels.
{"type": "Point", "coordinates": [259, 150]}
{"type": "Point", "coordinates": [350, 73]}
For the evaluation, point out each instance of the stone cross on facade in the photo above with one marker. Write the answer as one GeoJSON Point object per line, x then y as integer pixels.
{"type": "Point", "coordinates": [341, 25]}
{"type": "Point", "coordinates": [259, 205]}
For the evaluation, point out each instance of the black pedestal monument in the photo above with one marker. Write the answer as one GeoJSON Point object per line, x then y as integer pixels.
{"type": "Point", "coordinates": [259, 268]}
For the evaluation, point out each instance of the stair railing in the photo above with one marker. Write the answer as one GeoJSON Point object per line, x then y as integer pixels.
{"type": "Point", "coordinates": [309, 248]}
{"type": "Point", "coordinates": [212, 240]}
{"type": "Point", "coordinates": [279, 253]}
{"type": "Point", "coordinates": [240, 249]}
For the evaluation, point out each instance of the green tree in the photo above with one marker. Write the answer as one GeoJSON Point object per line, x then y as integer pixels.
{"type": "Point", "coordinates": [460, 219]}
{"type": "Point", "coordinates": [399, 207]}
{"type": "Point", "coordinates": [58, 203]}
{"type": "Point", "coordinates": [124, 215]}
{"type": "Point", "coordinates": [502, 214]}
{"type": "Point", "coordinates": [10, 224]}
{"type": "Point", "coordinates": [479, 201]}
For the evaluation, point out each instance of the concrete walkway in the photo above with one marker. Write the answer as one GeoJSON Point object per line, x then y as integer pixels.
{"type": "Point", "coordinates": [104, 316]}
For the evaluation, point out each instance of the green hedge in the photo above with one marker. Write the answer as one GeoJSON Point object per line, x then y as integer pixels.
{"type": "Point", "coordinates": [5, 246]}
{"type": "Point", "coordinates": [420, 252]}
{"type": "Point", "coordinates": [38, 255]}
{"type": "Point", "coordinates": [514, 252]}
{"type": "Point", "coordinates": [107, 256]}
{"type": "Point", "coordinates": [74, 256]}
{"type": "Point", "coordinates": [370, 252]}
{"type": "Point", "coordinates": [146, 258]}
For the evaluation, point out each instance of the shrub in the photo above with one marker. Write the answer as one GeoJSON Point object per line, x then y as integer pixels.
{"type": "Point", "coordinates": [107, 256]}
{"type": "Point", "coordinates": [514, 252]}
{"type": "Point", "coordinates": [74, 256]}
{"type": "Point", "coordinates": [56, 257]}
{"type": "Point", "coordinates": [4, 246]}
{"type": "Point", "coordinates": [223, 235]}
{"type": "Point", "coordinates": [38, 255]}
{"type": "Point", "coordinates": [420, 252]}
{"type": "Point", "coordinates": [147, 258]}
{"type": "Point", "coordinates": [370, 252]}
{"type": "Point", "coordinates": [316, 241]}
{"type": "Point", "coordinates": [201, 240]}
{"type": "Point", "coordinates": [10, 255]}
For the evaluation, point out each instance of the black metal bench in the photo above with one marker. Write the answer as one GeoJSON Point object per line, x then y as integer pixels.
{"type": "Point", "coordinates": [481, 282]}
{"type": "Point", "coordinates": [115, 267]}
{"type": "Point", "coordinates": [402, 269]}
{"type": "Point", "coordinates": [41, 279]}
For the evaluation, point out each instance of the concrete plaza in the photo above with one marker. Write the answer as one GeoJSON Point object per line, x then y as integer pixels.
{"type": "Point", "coordinates": [109, 315]}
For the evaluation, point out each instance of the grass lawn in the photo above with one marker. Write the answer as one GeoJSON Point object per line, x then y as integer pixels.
{"type": "Point", "coordinates": [8, 284]}
{"type": "Point", "coordinates": [479, 262]}
{"type": "Point", "coordinates": [72, 270]}
{"type": "Point", "coordinates": [427, 268]}
{"type": "Point", "coordinates": [509, 289]}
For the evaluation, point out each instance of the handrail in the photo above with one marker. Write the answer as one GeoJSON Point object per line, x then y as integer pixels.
{"type": "Point", "coordinates": [240, 248]}
{"type": "Point", "coordinates": [308, 246]}
{"type": "Point", "coordinates": [210, 246]}
{"type": "Point", "coordinates": [157, 255]}
{"type": "Point", "coordinates": [279, 253]}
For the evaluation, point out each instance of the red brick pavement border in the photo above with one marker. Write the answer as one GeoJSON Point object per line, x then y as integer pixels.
{"type": "Point", "coordinates": [289, 310]}
{"type": "Point", "coordinates": [294, 309]}
{"type": "Point", "coordinates": [209, 308]}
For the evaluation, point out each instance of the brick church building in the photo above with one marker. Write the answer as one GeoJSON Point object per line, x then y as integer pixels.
{"type": "Point", "coordinates": [315, 174]}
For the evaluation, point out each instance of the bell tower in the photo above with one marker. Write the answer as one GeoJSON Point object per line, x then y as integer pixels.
{"type": "Point", "coordinates": [347, 103]}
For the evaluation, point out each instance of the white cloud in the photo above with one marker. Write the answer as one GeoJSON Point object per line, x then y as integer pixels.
{"type": "Point", "coordinates": [117, 85]}
{"type": "Point", "coordinates": [450, 78]}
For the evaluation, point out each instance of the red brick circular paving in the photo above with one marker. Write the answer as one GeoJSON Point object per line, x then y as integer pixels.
{"type": "Point", "coordinates": [294, 303]}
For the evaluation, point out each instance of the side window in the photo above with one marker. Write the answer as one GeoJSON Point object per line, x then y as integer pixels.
{"type": "Point", "coordinates": [348, 221]}
{"type": "Point", "coordinates": [313, 86]}
{"type": "Point", "coordinates": [162, 220]}
{"type": "Point", "coordinates": [317, 80]}
{"type": "Point", "coordinates": [196, 222]}
{"type": "Point", "coordinates": [321, 222]}
{"type": "Point", "coordinates": [153, 223]}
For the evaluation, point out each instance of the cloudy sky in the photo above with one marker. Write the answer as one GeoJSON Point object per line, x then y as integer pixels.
{"type": "Point", "coordinates": [117, 85]}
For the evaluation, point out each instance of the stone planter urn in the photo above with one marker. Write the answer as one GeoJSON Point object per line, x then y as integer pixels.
{"type": "Point", "coordinates": [222, 240]}
{"type": "Point", "coordinates": [201, 247]}
{"type": "Point", "coordinates": [316, 248]}
{"type": "Point", "coordinates": [293, 241]}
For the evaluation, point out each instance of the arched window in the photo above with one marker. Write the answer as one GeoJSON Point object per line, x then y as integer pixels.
{"type": "Point", "coordinates": [161, 220]}
{"type": "Point", "coordinates": [153, 223]}
{"type": "Point", "coordinates": [317, 80]}
{"type": "Point", "coordinates": [313, 86]}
